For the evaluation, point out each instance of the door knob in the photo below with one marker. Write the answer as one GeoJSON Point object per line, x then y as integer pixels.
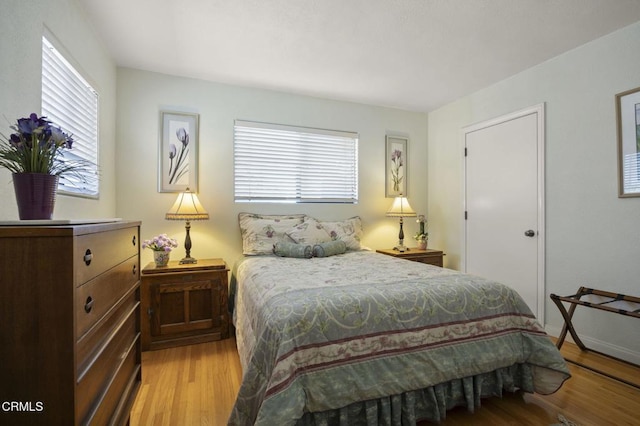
{"type": "Point", "coordinates": [529, 233]}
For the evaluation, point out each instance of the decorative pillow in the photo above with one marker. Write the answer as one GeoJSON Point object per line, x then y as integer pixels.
{"type": "Point", "coordinates": [329, 249]}
{"type": "Point", "coordinates": [309, 232]}
{"type": "Point", "coordinates": [349, 231]}
{"type": "Point", "coordinates": [261, 232]}
{"type": "Point", "coordinates": [284, 249]}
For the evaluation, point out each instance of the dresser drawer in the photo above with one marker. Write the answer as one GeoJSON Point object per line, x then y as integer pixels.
{"type": "Point", "coordinates": [118, 398]}
{"type": "Point", "coordinates": [95, 383]}
{"type": "Point", "coordinates": [98, 296]}
{"type": "Point", "coordinates": [98, 252]}
{"type": "Point", "coordinates": [433, 260]}
{"type": "Point", "coordinates": [93, 343]}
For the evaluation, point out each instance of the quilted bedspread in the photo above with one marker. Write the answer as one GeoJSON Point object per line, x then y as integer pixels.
{"type": "Point", "coordinates": [319, 334]}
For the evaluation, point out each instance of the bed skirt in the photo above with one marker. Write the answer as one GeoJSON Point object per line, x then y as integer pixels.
{"type": "Point", "coordinates": [429, 404]}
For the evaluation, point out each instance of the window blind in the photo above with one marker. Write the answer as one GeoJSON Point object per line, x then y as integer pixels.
{"type": "Point", "coordinates": [631, 173]}
{"type": "Point", "coordinates": [278, 163]}
{"type": "Point", "coordinates": [70, 102]}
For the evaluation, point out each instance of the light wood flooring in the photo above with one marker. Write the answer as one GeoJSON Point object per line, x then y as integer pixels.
{"type": "Point", "coordinates": [197, 385]}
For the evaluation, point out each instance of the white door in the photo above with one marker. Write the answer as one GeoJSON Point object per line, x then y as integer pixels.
{"type": "Point", "coordinates": [504, 203]}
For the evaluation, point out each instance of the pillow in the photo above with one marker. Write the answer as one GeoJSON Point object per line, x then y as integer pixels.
{"type": "Point", "coordinates": [329, 249]}
{"type": "Point", "coordinates": [309, 232]}
{"type": "Point", "coordinates": [349, 231]}
{"type": "Point", "coordinates": [261, 232]}
{"type": "Point", "coordinates": [284, 249]}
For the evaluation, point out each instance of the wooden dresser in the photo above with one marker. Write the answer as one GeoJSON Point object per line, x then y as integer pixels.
{"type": "Point", "coordinates": [69, 323]}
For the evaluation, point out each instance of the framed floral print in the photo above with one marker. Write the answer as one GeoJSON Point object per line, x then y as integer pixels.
{"type": "Point", "coordinates": [628, 124]}
{"type": "Point", "coordinates": [178, 152]}
{"type": "Point", "coordinates": [396, 166]}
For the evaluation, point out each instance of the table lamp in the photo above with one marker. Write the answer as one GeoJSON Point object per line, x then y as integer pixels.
{"type": "Point", "coordinates": [401, 208]}
{"type": "Point", "coordinates": [187, 207]}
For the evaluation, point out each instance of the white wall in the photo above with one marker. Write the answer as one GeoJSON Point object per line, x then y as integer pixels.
{"type": "Point", "coordinates": [592, 236]}
{"type": "Point", "coordinates": [141, 95]}
{"type": "Point", "coordinates": [22, 24]}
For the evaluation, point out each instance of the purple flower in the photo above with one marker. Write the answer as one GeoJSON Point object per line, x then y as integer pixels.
{"type": "Point", "coordinates": [27, 126]}
{"type": "Point", "coordinates": [183, 136]}
{"type": "Point", "coordinates": [60, 138]}
{"type": "Point", "coordinates": [396, 178]}
{"type": "Point", "coordinates": [181, 165]}
{"type": "Point", "coordinates": [160, 243]}
{"type": "Point", "coordinates": [15, 140]}
{"type": "Point", "coordinates": [36, 147]}
{"type": "Point", "coordinates": [269, 231]}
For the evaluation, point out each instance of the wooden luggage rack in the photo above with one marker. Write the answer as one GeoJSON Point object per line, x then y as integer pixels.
{"type": "Point", "coordinates": [606, 305]}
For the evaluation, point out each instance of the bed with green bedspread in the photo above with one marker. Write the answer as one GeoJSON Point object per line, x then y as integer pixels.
{"type": "Point", "coordinates": [364, 338]}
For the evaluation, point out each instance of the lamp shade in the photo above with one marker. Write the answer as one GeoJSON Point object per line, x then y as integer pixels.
{"type": "Point", "coordinates": [187, 207]}
{"type": "Point", "coordinates": [401, 208]}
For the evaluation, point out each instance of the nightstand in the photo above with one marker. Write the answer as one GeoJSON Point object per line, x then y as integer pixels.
{"type": "Point", "coordinates": [430, 256]}
{"type": "Point", "coordinates": [184, 304]}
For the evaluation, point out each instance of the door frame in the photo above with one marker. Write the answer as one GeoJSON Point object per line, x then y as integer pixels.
{"type": "Point", "coordinates": [538, 109]}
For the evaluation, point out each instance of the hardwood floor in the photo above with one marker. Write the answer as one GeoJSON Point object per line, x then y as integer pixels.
{"type": "Point", "coordinates": [188, 385]}
{"type": "Point", "coordinates": [197, 385]}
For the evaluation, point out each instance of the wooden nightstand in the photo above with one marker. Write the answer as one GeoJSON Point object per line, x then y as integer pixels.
{"type": "Point", "coordinates": [184, 304]}
{"type": "Point", "coordinates": [430, 256]}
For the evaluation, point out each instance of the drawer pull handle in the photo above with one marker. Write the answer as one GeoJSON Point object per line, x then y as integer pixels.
{"type": "Point", "coordinates": [134, 270]}
{"type": "Point", "coordinates": [88, 305]}
{"type": "Point", "coordinates": [133, 241]}
{"type": "Point", "coordinates": [88, 256]}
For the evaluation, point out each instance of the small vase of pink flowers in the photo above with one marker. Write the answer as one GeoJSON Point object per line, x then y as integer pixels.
{"type": "Point", "coordinates": [161, 245]}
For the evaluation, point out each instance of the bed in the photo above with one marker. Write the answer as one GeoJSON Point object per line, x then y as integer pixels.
{"type": "Point", "coordinates": [355, 337]}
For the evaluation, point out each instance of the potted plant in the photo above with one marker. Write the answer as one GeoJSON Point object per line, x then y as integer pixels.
{"type": "Point", "coordinates": [34, 155]}
{"type": "Point", "coordinates": [161, 246]}
{"type": "Point", "coordinates": [422, 235]}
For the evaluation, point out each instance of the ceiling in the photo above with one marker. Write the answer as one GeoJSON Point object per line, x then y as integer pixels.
{"type": "Point", "coordinates": [411, 54]}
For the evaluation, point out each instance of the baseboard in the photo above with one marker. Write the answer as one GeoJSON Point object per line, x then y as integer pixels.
{"type": "Point", "coordinates": [598, 345]}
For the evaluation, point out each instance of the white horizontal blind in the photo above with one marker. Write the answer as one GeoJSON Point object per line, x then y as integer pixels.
{"type": "Point", "coordinates": [277, 163]}
{"type": "Point", "coordinates": [631, 174]}
{"type": "Point", "coordinates": [69, 102]}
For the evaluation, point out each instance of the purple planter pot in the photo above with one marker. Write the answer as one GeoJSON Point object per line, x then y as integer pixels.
{"type": "Point", "coordinates": [35, 195]}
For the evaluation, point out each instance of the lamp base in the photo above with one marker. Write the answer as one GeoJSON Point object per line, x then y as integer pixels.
{"type": "Point", "coordinates": [401, 247]}
{"type": "Point", "coordinates": [187, 246]}
{"type": "Point", "coordinates": [188, 260]}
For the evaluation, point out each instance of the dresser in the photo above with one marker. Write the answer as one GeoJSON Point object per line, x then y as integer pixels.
{"type": "Point", "coordinates": [69, 323]}
{"type": "Point", "coordinates": [184, 303]}
{"type": "Point", "coordinates": [430, 256]}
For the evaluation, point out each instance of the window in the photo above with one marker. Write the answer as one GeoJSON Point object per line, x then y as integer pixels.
{"type": "Point", "coordinates": [276, 163]}
{"type": "Point", "coordinates": [71, 103]}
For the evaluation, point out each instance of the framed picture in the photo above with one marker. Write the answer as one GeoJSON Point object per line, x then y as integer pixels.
{"type": "Point", "coordinates": [396, 166]}
{"type": "Point", "coordinates": [178, 152]}
{"type": "Point", "coordinates": [628, 123]}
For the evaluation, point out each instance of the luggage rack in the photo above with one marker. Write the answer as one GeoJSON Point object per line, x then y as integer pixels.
{"type": "Point", "coordinates": [605, 305]}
